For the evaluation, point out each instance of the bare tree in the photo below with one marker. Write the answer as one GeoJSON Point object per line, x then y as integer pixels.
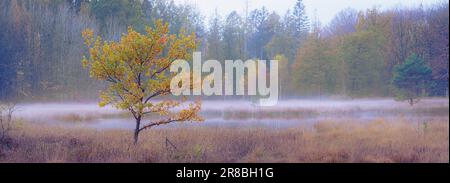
{"type": "Point", "coordinates": [6, 119]}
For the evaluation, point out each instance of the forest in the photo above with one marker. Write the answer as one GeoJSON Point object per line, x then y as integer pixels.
{"type": "Point", "coordinates": [353, 56]}
{"type": "Point", "coordinates": [91, 81]}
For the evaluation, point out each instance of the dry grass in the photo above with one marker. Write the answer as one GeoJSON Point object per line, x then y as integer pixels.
{"type": "Point", "coordinates": [377, 141]}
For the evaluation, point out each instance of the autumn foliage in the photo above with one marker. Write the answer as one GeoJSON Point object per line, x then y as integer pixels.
{"type": "Point", "coordinates": [136, 69]}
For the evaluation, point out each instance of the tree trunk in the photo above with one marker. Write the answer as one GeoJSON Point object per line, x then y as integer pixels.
{"type": "Point", "coordinates": [136, 130]}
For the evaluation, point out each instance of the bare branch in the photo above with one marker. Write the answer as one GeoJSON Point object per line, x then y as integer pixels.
{"type": "Point", "coordinates": [162, 122]}
{"type": "Point", "coordinates": [156, 94]}
{"type": "Point", "coordinates": [166, 121]}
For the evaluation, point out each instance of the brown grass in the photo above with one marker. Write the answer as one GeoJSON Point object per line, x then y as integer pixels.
{"type": "Point", "coordinates": [377, 141]}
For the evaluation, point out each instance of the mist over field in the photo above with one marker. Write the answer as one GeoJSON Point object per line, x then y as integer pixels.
{"type": "Point", "coordinates": [239, 113]}
{"type": "Point", "coordinates": [89, 81]}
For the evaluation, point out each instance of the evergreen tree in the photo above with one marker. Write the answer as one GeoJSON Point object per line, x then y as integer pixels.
{"type": "Point", "coordinates": [301, 21]}
{"type": "Point", "coordinates": [411, 79]}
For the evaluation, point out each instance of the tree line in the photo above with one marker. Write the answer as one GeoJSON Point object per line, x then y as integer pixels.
{"type": "Point", "coordinates": [354, 55]}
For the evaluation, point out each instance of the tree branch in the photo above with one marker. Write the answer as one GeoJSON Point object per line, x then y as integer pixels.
{"type": "Point", "coordinates": [161, 70]}
{"type": "Point", "coordinates": [166, 121]}
{"type": "Point", "coordinates": [156, 94]}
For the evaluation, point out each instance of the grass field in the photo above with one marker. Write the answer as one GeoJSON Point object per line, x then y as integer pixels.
{"type": "Point", "coordinates": [326, 141]}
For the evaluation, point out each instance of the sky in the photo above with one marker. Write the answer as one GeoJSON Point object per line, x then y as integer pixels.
{"type": "Point", "coordinates": [324, 10]}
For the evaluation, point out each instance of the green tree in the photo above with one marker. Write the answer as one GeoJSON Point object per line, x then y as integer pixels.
{"type": "Point", "coordinates": [363, 53]}
{"type": "Point", "coordinates": [111, 14]}
{"type": "Point", "coordinates": [411, 79]}
{"type": "Point", "coordinates": [314, 72]}
{"type": "Point", "coordinates": [136, 70]}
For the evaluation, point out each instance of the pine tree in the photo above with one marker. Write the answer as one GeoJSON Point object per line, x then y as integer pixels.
{"type": "Point", "coordinates": [301, 21]}
{"type": "Point", "coordinates": [411, 79]}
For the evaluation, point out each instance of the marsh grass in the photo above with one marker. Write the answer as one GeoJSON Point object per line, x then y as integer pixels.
{"type": "Point", "coordinates": [328, 141]}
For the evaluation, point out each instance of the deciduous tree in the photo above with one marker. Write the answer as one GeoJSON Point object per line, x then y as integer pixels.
{"type": "Point", "coordinates": [136, 69]}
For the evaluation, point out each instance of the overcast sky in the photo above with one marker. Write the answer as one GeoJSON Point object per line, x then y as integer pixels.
{"type": "Point", "coordinates": [325, 9]}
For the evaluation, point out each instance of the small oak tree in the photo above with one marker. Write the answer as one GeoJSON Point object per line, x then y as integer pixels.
{"type": "Point", "coordinates": [411, 79]}
{"type": "Point", "coordinates": [136, 69]}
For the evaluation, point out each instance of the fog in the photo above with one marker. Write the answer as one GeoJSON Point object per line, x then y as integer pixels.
{"type": "Point", "coordinates": [239, 113]}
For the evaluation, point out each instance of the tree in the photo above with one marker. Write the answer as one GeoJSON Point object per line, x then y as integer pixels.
{"type": "Point", "coordinates": [284, 41]}
{"type": "Point", "coordinates": [300, 24]}
{"type": "Point", "coordinates": [437, 35]}
{"type": "Point", "coordinates": [136, 70]}
{"type": "Point", "coordinates": [363, 53]}
{"type": "Point", "coordinates": [214, 38]}
{"type": "Point", "coordinates": [233, 37]}
{"type": "Point", "coordinates": [6, 120]}
{"type": "Point", "coordinates": [411, 79]}
{"type": "Point", "coordinates": [259, 35]}
{"type": "Point", "coordinates": [343, 23]}
{"type": "Point", "coordinates": [284, 77]}
{"type": "Point", "coordinates": [76, 5]}
{"type": "Point", "coordinates": [113, 14]}
{"type": "Point", "coordinates": [314, 70]}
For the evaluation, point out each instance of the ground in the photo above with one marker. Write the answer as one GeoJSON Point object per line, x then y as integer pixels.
{"type": "Point", "coordinates": [326, 141]}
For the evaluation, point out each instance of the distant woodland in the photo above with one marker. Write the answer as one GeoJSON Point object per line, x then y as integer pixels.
{"type": "Point", "coordinates": [355, 55]}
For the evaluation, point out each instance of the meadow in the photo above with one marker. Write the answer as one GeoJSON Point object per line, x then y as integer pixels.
{"type": "Point", "coordinates": [383, 138]}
